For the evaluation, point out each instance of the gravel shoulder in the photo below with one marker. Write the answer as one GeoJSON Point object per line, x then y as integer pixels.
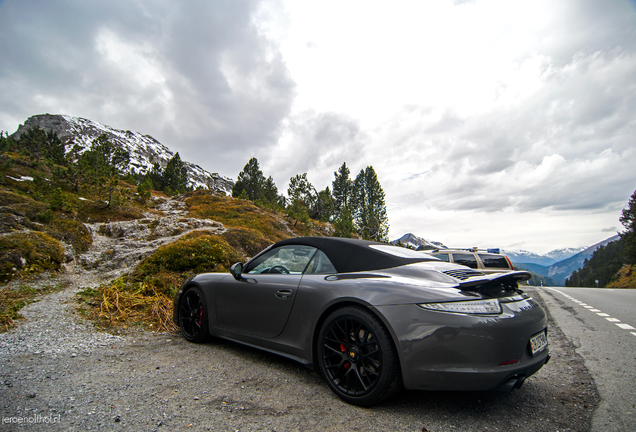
{"type": "Point", "coordinates": [57, 372]}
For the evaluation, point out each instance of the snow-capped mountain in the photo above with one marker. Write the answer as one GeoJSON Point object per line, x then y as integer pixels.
{"type": "Point", "coordinates": [565, 253]}
{"type": "Point", "coordinates": [523, 256]}
{"type": "Point", "coordinates": [144, 150]}
{"type": "Point", "coordinates": [414, 242]}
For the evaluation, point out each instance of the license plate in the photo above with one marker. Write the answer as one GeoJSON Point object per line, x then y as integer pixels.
{"type": "Point", "coordinates": [538, 342]}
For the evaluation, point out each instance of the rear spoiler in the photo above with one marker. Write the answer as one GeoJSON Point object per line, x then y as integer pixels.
{"type": "Point", "coordinates": [507, 280]}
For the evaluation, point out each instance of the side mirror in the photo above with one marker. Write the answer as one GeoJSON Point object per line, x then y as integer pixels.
{"type": "Point", "coordinates": [236, 270]}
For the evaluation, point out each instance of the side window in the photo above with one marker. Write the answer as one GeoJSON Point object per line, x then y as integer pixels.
{"type": "Point", "coordinates": [465, 259]}
{"type": "Point", "coordinates": [494, 261]}
{"type": "Point", "coordinates": [442, 256]}
{"type": "Point", "coordinates": [290, 259]}
{"type": "Point", "coordinates": [320, 264]}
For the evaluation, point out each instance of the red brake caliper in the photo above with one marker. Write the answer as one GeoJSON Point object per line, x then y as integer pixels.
{"type": "Point", "coordinates": [344, 349]}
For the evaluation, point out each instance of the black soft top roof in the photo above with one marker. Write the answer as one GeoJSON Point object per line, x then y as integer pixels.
{"type": "Point", "coordinates": [352, 255]}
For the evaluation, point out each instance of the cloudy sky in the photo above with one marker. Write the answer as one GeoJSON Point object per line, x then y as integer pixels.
{"type": "Point", "coordinates": [489, 123]}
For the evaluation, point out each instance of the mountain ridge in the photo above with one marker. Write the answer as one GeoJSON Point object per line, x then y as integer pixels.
{"type": "Point", "coordinates": [414, 242]}
{"type": "Point", "coordinates": [144, 150]}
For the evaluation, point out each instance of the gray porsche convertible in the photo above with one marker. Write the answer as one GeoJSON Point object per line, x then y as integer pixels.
{"type": "Point", "coordinates": [372, 318]}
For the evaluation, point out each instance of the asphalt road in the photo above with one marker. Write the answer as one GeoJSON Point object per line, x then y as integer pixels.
{"type": "Point", "coordinates": [601, 323]}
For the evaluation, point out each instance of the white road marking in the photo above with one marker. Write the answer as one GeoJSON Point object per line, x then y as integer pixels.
{"type": "Point", "coordinates": [598, 312]}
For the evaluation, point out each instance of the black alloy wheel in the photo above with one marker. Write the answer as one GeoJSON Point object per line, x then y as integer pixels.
{"type": "Point", "coordinates": [193, 316]}
{"type": "Point", "coordinates": [357, 358]}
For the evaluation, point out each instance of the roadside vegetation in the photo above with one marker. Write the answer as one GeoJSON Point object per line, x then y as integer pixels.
{"type": "Point", "coordinates": [612, 265]}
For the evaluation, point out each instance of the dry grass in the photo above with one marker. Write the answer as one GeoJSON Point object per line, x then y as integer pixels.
{"type": "Point", "coordinates": [626, 278]}
{"type": "Point", "coordinates": [120, 305]}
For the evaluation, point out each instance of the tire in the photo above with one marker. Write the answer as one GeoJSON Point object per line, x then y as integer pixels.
{"type": "Point", "coordinates": [193, 316]}
{"type": "Point", "coordinates": [357, 358]}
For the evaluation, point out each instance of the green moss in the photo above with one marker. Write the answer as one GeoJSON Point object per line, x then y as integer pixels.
{"type": "Point", "coordinates": [9, 198]}
{"type": "Point", "coordinates": [21, 205]}
{"type": "Point", "coordinates": [247, 240]}
{"type": "Point", "coordinates": [236, 213]}
{"type": "Point", "coordinates": [72, 232]}
{"type": "Point", "coordinates": [28, 253]}
{"type": "Point", "coordinates": [196, 252]}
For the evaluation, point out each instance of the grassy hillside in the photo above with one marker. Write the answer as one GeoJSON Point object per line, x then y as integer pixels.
{"type": "Point", "coordinates": [625, 278]}
{"type": "Point", "coordinates": [42, 227]}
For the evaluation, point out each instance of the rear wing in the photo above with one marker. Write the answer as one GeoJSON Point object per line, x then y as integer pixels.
{"type": "Point", "coordinates": [505, 281]}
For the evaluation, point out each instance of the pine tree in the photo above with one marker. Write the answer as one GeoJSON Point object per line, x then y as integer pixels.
{"type": "Point", "coordinates": [31, 143]}
{"type": "Point", "coordinates": [75, 172]}
{"type": "Point", "coordinates": [251, 180]}
{"type": "Point", "coordinates": [175, 175]}
{"type": "Point", "coordinates": [602, 266]}
{"type": "Point", "coordinates": [370, 215]}
{"type": "Point", "coordinates": [155, 176]}
{"type": "Point", "coordinates": [53, 149]}
{"type": "Point", "coordinates": [628, 219]}
{"type": "Point", "coordinates": [102, 163]}
{"type": "Point", "coordinates": [270, 194]}
{"type": "Point", "coordinates": [302, 196]}
{"type": "Point", "coordinates": [324, 209]}
{"type": "Point", "coordinates": [342, 189]}
{"type": "Point", "coordinates": [6, 143]}
{"type": "Point", "coordinates": [106, 158]}
{"type": "Point", "coordinates": [343, 224]}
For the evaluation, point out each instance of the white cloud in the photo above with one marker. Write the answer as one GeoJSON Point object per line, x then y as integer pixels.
{"type": "Point", "coordinates": [492, 122]}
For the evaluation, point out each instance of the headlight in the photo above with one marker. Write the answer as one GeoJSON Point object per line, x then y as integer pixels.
{"type": "Point", "coordinates": [465, 307]}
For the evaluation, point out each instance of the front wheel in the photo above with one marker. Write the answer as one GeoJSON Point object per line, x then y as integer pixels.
{"type": "Point", "coordinates": [357, 357]}
{"type": "Point", "coordinates": [193, 316]}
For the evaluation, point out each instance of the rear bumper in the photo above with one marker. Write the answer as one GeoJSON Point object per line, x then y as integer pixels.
{"type": "Point", "coordinates": [443, 351]}
{"type": "Point", "coordinates": [504, 378]}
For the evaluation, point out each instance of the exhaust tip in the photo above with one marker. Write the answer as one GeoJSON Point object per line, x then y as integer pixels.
{"type": "Point", "coordinates": [519, 382]}
{"type": "Point", "coordinates": [514, 382]}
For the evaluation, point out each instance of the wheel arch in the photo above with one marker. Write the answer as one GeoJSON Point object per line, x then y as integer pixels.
{"type": "Point", "coordinates": [346, 303]}
{"type": "Point", "coordinates": [207, 295]}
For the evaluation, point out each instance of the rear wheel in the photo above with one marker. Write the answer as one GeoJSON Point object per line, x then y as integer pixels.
{"type": "Point", "coordinates": [193, 316]}
{"type": "Point", "coordinates": [357, 357]}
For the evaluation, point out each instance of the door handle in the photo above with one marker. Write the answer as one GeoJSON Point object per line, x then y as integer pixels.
{"type": "Point", "coordinates": [284, 294]}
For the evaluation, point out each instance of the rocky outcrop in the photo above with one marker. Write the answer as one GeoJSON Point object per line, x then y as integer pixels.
{"type": "Point", "coordinates": [119, 246]}
{"type": "Point", "coordinates": [144, 150]}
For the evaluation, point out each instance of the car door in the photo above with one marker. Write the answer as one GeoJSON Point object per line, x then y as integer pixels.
{"type": "Point", "coordinates": [259, 303]}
